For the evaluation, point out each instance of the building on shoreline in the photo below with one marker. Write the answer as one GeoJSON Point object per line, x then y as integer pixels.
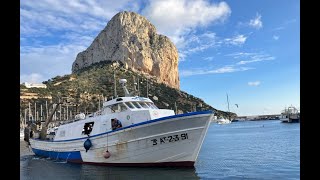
{"type": "Point", "coordinates": [34, 85]}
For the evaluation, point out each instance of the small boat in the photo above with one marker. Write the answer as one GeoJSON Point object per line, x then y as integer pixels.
{"type": "Point", "coordinates": [21, 134]}
{"type": "Point", "coordinates": [145, 135]}
{"type": "Point", "coordinates": [290, 115]}
{"type": "Point", "coordinates": [223, 121]}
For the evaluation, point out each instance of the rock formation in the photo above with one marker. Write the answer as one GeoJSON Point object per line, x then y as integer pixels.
{"type": "Point", "coordinates": [132, 40]}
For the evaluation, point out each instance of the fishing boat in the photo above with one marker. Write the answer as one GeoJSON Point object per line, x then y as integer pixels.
{"type": "Point", "coordinates": [147, 135]}
{"type": "Point", "coordinates": [290, 115]}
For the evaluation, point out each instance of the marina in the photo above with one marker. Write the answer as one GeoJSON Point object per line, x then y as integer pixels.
{"type": "Point", "coordinates": [243, 150]}
{"type": "Point", "coordinates": [169, 89]}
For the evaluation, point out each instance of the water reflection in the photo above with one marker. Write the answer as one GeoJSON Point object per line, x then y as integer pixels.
{"type": "Point", "coordinates": [43, 168]}
{"type": "Point", "coordinates": [101, 172]}
{"type": "Point", "coordinates": [244, 150]}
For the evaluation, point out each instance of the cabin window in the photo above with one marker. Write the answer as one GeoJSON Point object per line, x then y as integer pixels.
{"type": "Point", "coordinates": [144, 105]}
{"type": "Point", "coordinates": [136, 104]}
{"type": "Point", "coordinates": [129, 105]}
{"type": "Point", "coordinates": [87, 128]}
{"type": "Point", "coordinates": [153, 106]}
{"type": "Point", "coordinates": [149, 104]}
{"type": "Point", "coordinates": [114, 108]}
{"type": "Point", "coordinates": [123, 107]}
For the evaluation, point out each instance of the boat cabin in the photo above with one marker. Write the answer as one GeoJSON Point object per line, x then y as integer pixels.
{"type": "Point", "coordinates": [128, 110]}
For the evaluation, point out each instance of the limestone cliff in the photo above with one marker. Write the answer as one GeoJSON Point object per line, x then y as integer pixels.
{"type": "Point", "coordinates": [132, 40]}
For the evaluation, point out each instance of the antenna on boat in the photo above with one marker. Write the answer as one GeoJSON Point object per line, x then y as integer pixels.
{"type": "Point", "coordinates": [228, 102]}
{"type": "Point", "coordinates": [123, 84]}
{"type": "Point", "coordinates": [138, 87]}
{"type": "Point", "coordinates": [135, 84]}
{"type": "Point", "coordinates": [147, 89]}
{"type": "Point", "coordinates": [115, 84]}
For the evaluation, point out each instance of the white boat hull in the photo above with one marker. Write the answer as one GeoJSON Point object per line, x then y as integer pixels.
{"type": "Point", "coordinates": [174, 141]}
{"type": "Point", "coordinates": [223, 121]}
{"type": "Point", "coordinates": [284, 119]}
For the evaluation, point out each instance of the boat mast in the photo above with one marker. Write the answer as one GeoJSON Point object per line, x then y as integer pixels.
{"type": "Point", "coordinates": [228, 105]}
{"type": "Point", "coordinates": [147, 89]}
{"type": "Point", "coordinates": [43, 132]}
{"type": "Point", "coordinates": [25, 117]}
{"type": "Point", "coordinates": [42, 113]}
{"type": "Point", "coordinates": [29, 114]}
{"type": "Point", "coordinates": [35, 110]}
{"type": "Point", "coordinates": [115, 84]}
{"type": "Point", "coordinates": [138, 87]}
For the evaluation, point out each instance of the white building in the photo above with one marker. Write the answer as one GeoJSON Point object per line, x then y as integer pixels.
{"type": "Point", "coordinates": [34, 85]}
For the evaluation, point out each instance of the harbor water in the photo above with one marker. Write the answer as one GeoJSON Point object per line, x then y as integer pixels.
{"type": "Point", "coordinates": [241, 150]}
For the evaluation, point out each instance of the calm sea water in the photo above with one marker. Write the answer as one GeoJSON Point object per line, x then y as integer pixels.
{"type": "Point", "coordinates": [241, 150]}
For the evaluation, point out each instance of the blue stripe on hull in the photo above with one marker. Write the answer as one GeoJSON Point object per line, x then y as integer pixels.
{"type": "Point", "coordinates": [138, 124]}
{"type": "Point", "coordinates": [70, 156]}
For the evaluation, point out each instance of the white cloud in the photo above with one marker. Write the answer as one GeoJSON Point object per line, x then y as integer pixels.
{"type": "Point", "coordinates": [201, 42]}
{"type": "Point", "coordinates": [236, 40]}
{"type": "Point", "coordinates": [257, 58]}
{"type": "Point", "coordinates": [225, 69]}
{"type": "Point", "coordinates": [283, 26]}
{"type": "Point", "coordinates": [255, 83]}
{"type": "Point", "coordinates": [208, 58]}
{"type": "Point", "coordinates": [275, 37]}
{"type": "Point", "coordinates": [49, 61]}
{"type": "Point", "coordinates": [197, 43]}
{"type": "Point", "coordinates": [240, 54]}
{"type": "Point", "coordinates": [177, 19]}
{"type": "Point", "coordinates": [41, 18]}
{"type": "Point", "coordinates": [256, 22]}
{"type": "Point", "coordinates": [31, 78]}
{"type": "Point", "coordinates": [251, 57]}
{"type": "Point", "coordinates": [278, 28]}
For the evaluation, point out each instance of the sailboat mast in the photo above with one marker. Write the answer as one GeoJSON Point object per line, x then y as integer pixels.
{"type": "Point", "coordinates": [228, 102]}
{"type": "Point", "coordinates": [115, 85]}
{"type": "Point", "coordinates": [228, 107]}
{"type": "Point", "coordinates": [25, 117]}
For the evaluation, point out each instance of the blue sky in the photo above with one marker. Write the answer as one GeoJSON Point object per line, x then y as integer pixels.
{"type": "Point", "coordinates": [248, 49]}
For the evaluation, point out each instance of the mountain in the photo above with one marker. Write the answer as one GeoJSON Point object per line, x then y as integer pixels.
{"type": "Point", "coordinates": [128, 47]}
{"type": "Point", "coordinates": [132, 40]}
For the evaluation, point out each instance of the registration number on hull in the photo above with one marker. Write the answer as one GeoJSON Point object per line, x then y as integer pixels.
{"type": "Point", "coordinates": [167, 139]}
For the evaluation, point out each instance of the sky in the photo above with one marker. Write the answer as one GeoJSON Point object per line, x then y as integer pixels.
{"type": "Point", "coordinates": [248, 50]}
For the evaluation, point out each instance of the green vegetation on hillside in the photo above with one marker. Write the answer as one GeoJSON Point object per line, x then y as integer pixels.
{"type": "Point", "coordinates": [87, 86]}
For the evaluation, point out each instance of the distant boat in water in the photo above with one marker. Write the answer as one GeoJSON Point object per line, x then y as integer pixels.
{"type": "Point", "coordinates": [228, 119]}
{"type": "Point", "coordinates": [290, 115]}
{"type": "Point", "coordinates": [223, 121]}
{"type": "Point", "coordinates": [21, 133]}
